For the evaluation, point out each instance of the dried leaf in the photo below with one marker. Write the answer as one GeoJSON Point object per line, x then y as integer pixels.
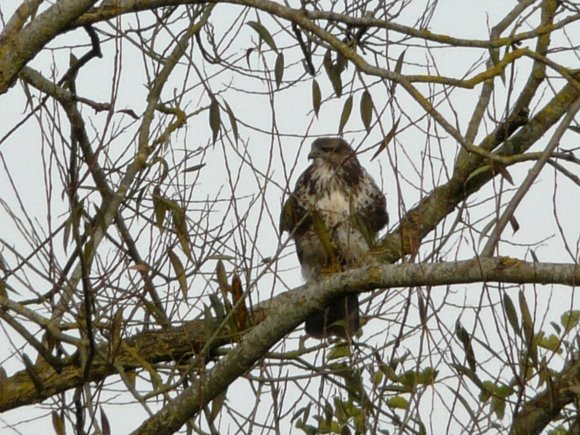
{"type": "Point", "coordinates": [514, 224]}
{"type": "Point", "coordinates": [366, 109]}
{"type": "Point", "coordinates": [237, 297]}
{"type": "Point", "coordinates": [510, 312]}
{"type": "Point", "coordinates": [233, 121]}
{"type": "Point", "coordinates": [387, 139]}
{"type": "Point", "coordinates": [160, 209]}
{"type": "Point", "coordinates": [346, 110]}
{"type": "Point", "coordinates": [116, 326]}
{"type": "Point", "coordinates": [105, 426]}
{"type": "Point", "coordinates": [194, 168]}
{"type": "Point", "coordinates": [465, 339]}
{"type": "Point", "coordinates": [214, 118]}
{"type": "Point", "coordinates": [279, 69]}
{"type": "Point", "coordinates": [502, 170]}
{"type": "Point", "coordinates": [179, 272]}
{"type": "Point", "coordinates": [263, 33]}
{"type": "Point", "coordinates": [316, 97]}
{"type": "Point", "coordinates": [222, 278]}
{"type": "Point", "coordinates": [180, 228]}
{"type": "Point", "coordinates": [58, 424]}
{"type": "Point", "coordinates": [398, 69]}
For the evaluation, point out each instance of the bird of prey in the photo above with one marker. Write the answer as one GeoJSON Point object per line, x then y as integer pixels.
{"type": "Point", "coordinates": [334, 215]}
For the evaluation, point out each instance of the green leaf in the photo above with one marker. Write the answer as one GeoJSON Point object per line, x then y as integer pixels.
{"type": "Point", "coordinates": [551, 342]}
{"type": "Point", "coordinates": [179, 272]}
{"type": "Point", "coordinates": [316, 97]}
{"type": "Point", "coordinates": [214, 118]}
{"type": "Point", "coordinates": [570, 319]}
{"type": "Point", "coordinates": [263, 33]}
{"type": "Point", "coordinates": [340, 351]}
{"type": "Point", "coordinates": [498, 406]}
{"type": "Point", "coordinates": [398, 402]}
{"type": "Point", "coordinates": [346, 110]}
{"type": "Point", "coordinates": [279, 69]}
{"type": "Point", "coordinates": [427, 376]}
{"type": "Point", "coordinates": [528, 328]}
{"type": "Point", "coordinates": [366, 109]}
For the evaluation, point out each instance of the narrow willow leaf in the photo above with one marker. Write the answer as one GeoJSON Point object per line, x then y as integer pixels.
{"type": "Point", "coordinates": [105, 425]}
{"type": "Point", "coordinates": [159, 208]}
{"type": "Point", "coordinates": [465, 339]}
{"type": "Point", "coordinates": [510, 312]}
{"type": "Point", "coordinates": [316, 97]}
{"type": "Point", "coordinates": [366, 109]}
{"type": "Point", "coordinates": [233, 121]}
{"type": "Point", "coordinates": [527, 323]}
{"type": "Point", "coordinates": [180, 227]}
{"type": "Point", "coordinates": [194, 168]}
{"type": "Point", "coordinates": [398, 69]}
{"type": "Point", "coordinates": [336, 82]}
{"type": "Point", "coordinates": [346, 109]}
{"type": "Point", "coordinates": [387, 139]}
{"type": "Point", "coordinates": [514, 224]}
{"type": "Point", "coordinates": [528, 328]}
{"type": "Point", "coordinates": [179, 272]}
{"type": "Point", "coordinates": [214, 118]}
{"type": "Point", "coordinates": [263, 33]}
{"type": "Point", "coordinates": [58, 424]}
{"type": "Point", "coordinates": [279, 69]}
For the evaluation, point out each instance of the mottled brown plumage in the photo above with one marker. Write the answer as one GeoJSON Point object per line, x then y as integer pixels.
{"type": "Point", "coordinates": [333, 215]}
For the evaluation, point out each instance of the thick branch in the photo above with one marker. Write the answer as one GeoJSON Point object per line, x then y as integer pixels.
{"type": "Point", "coordinates": [19, 46]}
{"type": "Point", "coordinates": [307, 299]}
{"type": "Point", "coordinates": [280, 316]}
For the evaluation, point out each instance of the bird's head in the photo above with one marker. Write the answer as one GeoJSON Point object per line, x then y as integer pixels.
{"type": "Point", "coordinates": [334, 151]}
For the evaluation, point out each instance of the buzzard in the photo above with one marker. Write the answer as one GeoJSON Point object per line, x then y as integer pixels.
{"type": "Point", "coordinates": [333, 215]}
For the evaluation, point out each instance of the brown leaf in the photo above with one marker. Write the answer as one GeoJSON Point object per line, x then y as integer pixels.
{"type": "Point", "coordinates": [316, 97]}
{"type": "Point", "coordinates": [179, 272]}
{"type": "Point", "coordinates": [233, 121]}
{"type": "Point", "coordinates": [346, 110]}
{"type": "Point", "coordinates": [514, 224]}
{"type": "Point", "coordinates": [105, 426]}
{"type": "Point", "coordinates": [58, 424]}
{"type": "Point", "coordinates": [398, 69]}
{"type": "Point", "coordinates": [237, 295]}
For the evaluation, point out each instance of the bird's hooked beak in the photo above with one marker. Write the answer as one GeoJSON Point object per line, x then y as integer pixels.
{"type": "Point", "coordinates": [313, 154]}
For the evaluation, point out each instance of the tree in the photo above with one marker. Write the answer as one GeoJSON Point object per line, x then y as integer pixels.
{"type": "Point", "coordinates": [142, 268]}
